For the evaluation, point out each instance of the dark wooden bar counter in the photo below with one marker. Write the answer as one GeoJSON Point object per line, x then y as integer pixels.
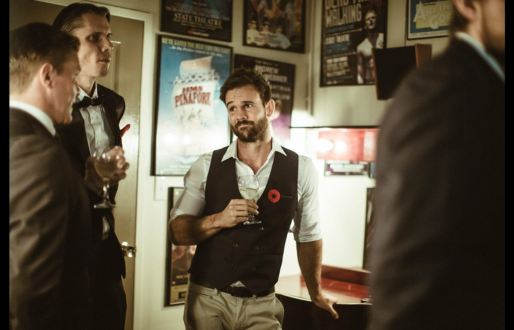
{"type": "Point", "coordinates": [347, 285]}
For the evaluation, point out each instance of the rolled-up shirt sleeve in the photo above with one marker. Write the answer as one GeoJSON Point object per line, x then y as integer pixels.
{"type": "Point", "coordinates": [306, 219]}
{"type": "Point", "coordinates": [192, 200]}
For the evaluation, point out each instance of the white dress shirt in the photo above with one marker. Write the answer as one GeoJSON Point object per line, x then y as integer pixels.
{"type": "Point", "coordinates": [37, 113]}
{"type": "Point", "coordinates": [97, 132]}
{"type": "Point", "coordinates": [97, 128]}
{"type": "Point", "coordinates": [306, 218]}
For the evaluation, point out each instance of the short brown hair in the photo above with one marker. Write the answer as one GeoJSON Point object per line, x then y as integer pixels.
{"type": "Point", "coordinates": [32, 45]}
{"type": "Point", "coordinates": [243, 77]}
{"type": "Point", "coordinates": [70, 17]}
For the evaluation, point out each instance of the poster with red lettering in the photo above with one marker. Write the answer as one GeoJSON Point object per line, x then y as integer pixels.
{"type": "Point", "coordinates": [191, 119]}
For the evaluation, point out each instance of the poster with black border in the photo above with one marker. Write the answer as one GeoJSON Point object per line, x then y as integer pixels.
{"type": "Point", "coordinates": [281, 78]}
{"type": "Point", "coordinates": [200, 18]}
{"type": "Point", "coordinates": [428, 18]}
{"type": "Point", "coordinates": [190, 118]}
{"type": "Point", "coordinates": [350, 31]}
{"type": "Point", "coordinates": [275, 24]}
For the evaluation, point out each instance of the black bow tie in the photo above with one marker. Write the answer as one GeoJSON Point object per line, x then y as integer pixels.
{"type": "Point", "coordinates": [87, 101]}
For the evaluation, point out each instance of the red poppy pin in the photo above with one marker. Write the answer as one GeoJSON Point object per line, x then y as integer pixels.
{"type": "Point", "coordinates": [274, 195]}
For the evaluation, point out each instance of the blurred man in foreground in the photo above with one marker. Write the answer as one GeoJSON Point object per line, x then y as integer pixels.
{"type": "Point", "coordinates": [49, 220]}
{"type": "Point", "coordinates": [438, 259]}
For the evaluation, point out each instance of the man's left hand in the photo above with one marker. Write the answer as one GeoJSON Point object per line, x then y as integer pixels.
{"type": "Point", "coordinates": [326, 302]}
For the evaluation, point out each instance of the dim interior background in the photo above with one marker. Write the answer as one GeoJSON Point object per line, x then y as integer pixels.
{"type": "Point", "coordinates": [342, 198]}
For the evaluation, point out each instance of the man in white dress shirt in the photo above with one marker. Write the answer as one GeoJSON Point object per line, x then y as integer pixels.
{"type": "Point", "coordinates": [236, 265]}
{"type": "Point", "coordinates": [49, 220]}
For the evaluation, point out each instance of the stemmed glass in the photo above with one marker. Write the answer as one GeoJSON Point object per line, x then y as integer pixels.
{"type": "Point", "coordinates": [249, 188]}
{"type": "Point", "coordinates": [106, 160]}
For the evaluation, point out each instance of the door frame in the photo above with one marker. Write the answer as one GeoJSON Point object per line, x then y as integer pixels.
{"type": "Point", "coordinates": [145, 133]}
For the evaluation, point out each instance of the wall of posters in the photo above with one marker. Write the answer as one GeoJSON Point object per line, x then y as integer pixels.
{"type": "Point", "coordinates": [275, 24]}
{"type": "Point", "coordinates": [428, 18]}
{"type": "Point", "coordinates": [191, 119]}
{"type": "Point", "coordinates": [350, 30]}
{"type": "Point", "coordinates": [200, 18]}
{"type": "Point", "coordinates": [281, 78]}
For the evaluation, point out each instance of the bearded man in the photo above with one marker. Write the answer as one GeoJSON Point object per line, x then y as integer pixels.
{"type": "Point", "coordinates": [236, 266]}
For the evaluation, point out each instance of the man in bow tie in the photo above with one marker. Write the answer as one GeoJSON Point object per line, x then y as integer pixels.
{"type": "Point", "coordinates": [236, 265]}
{"type": "Point", "coordinates": [96, 116]}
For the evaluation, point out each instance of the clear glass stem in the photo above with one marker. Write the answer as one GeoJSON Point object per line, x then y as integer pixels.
{"type": "Point", "coordinates": [106, 190]}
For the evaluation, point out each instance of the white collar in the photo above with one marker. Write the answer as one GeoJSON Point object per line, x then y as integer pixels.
{"type": "Point", "coordinates": [232, 150]}
{"type": "Point", "coordinates": [475, 44]}
{"type": "Point", "coordinates": [37, 113]}
{"type": "Point", "coordinates": [83, 94]}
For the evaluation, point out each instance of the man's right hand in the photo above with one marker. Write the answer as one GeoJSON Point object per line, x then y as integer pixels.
{"type": "Point", "coordinates": [94, 182]}
{"type": "Point", "coordinates": [236, 212]}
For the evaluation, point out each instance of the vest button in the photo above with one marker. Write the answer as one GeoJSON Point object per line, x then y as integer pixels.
{"type": "Point", "coordinates": [235, 245]}
{"type": "Point", "coordinates": [262, 228]}
{"type": "Point", "coordinates": [253, 269]}
{"type": "Point", "coordinates": [231, 265]}
{"type": "Point", "coordinates": [256, 248]}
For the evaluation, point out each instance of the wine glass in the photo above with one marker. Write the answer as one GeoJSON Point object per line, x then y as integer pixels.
{"type": "Point", "coordinates": [249, 188]}
{"type": "Point", "coordinates": [106, 160]}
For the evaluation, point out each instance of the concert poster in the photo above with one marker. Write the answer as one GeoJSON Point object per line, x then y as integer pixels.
{"type": "Point", "coordinates": [275, 24]}
{"type": "Point", "coordinates": [281, 78]}
{"type": "Point", "coordinates": [428, 18]}
{"type": "Point", "coordinates": [191, 119]}
{"type": "Point", "coordinates": [210, 19]}
{"type": "Point", "coordinates": [350, 31]}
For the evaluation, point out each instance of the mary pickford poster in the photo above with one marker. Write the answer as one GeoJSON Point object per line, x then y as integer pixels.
{"type": "Point", "coordinates": [191, 119]}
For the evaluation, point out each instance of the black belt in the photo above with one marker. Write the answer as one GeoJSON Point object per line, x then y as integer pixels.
{"type": "Point", "coordinates": [236, 291]}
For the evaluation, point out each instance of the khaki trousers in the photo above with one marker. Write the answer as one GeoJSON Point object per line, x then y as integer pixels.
{"type": "Point", "coordinates": [209, 309]}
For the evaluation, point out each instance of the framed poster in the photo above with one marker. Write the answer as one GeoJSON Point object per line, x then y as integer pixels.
{"type": "Point", "coordinates": [178, 260]}
{"type": "Point", "coordinates": [275, 24]}
{"type": "Point", "coordinates": [191, 119]}
{"type": "Point", "coordinates": [428, 18]}
{"type": "Point", "coordinates": [281, 78]}
{"type": "Point", "coordinates": [350, 30]}
{"type": "Point", "coordinates": [369, 228]}
{"type": "Point", "coordinates": [200, 18]}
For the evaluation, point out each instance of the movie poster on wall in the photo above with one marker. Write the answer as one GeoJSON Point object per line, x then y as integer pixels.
{"type": "Point", "coordinates": [200, 18]}
{"type": "Point", "coordinates": [191, 119]}
{"type": "Point", "coordinates": [350, 31]}
{"type": "Point", "coordinates": [428, 18]}
{"type": "Point", "coordinates": [275, 24]}
{"type": "Point", "coordinates": [281, 78]}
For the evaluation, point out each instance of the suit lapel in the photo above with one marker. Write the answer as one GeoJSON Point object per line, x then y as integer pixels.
{"type": "Point", "coordinates": [110, 113]}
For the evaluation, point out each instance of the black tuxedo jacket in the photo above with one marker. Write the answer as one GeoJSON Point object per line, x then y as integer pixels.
{"type": "Point", "coordinates": [438, 255]}
{"type": "Point", "coordinates": [108, 261]}
{"type": "Point", "coordinates": [49, 231]}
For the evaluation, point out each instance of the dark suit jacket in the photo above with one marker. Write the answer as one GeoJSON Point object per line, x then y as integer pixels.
{"type": "Point", "coordinates": [108, 261]}
{"type": "Point", "coordinates": [49, 231]}
{"type": "Point", "coordinates": [438, 255]}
